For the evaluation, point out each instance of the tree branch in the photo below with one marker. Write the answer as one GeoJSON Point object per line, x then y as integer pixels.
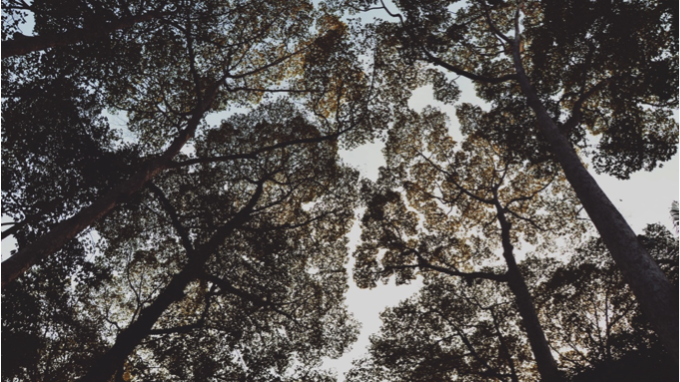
{"type": "Point", "coordinates": [450, 178]}
{"type": "Point", "coordinates": [467, 275]}
{"type": "Point", "coordinates": [474, 77]}
{"type": "Point", "coordinates": [66, 230]}
{"type": "Point", "coordinates": [504, 348]}
{"type": "Point", "coordinates": [576, 112]}
{"type": "Point", "coordinates": [525, 197]}
{"type": "Point", "coordinates": [258, 301]}
{"type": "Point", "coordinates": [129, 338]}
{"type": "Point", "coordinates": [174, 218]}
{"type": "Point", "coordinates": [492, 25]}
{"type": "Point", "coordinates": [189, 327]}
{"type": "Point", "coordinates": [253, 154]}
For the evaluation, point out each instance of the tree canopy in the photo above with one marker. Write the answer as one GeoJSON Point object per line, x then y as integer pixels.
{"type": "Point", "coordinates": [227, 236]}
{"type": "Point", "coordinates": [472, 200]}
{"type": "Point", "coordinates": [224, 253]}
{"type": "Point", "coordinates": [173, 179]}
{"type": "Point", "coordinates": [208, 60]}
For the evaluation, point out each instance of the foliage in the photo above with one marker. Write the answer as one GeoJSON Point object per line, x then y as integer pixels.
{"type": "Point", "coordinates": [226, 261]}
{"type": "Point", "coordinates": [554, 75]}
{"type": "Point", "coordinates": [41, 319]}
{"type": "Point", "coordinates": [450, 330]}
{"type": "Point", "coordinates": [593, 318]}
{"type": "Point", "coordinates": [473, 200]}
{"type": "Point", "coordinates": [453, 330]}
{"type": "Point", "coordinates": [599, 68]}
{"type": "Point", "coordinates": [266, 303]}
{"type": "Point", "coordinates": [156, 79]}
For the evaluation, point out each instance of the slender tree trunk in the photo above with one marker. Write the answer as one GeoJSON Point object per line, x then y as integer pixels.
{"type": "Point", "coordinates": [26, 44]}
{"type": "Point", "coordinates": [547, 367]}
{"type": "Point", "coordinates": [657, 297]}
{"type": "Point", "coordinates": [62, 232]}
{"type": "Point", "coordinates": [128, 339]}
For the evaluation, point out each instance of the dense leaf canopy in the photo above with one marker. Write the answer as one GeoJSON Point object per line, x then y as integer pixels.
{"type": "Point", "coordinates": [561, 78]}
{"type": "Point", "coordinates": [604, 68]}
{"type": "Point", "coordinates": [172, 177]}
{"type": "Point", "coordinates": [438, 203]}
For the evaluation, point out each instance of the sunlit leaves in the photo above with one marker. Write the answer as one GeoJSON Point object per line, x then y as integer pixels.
{"type": "Point", "coordinates": [438, 203]}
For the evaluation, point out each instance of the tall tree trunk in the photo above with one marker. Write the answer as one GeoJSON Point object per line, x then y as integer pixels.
{"type": "Point", "coordinates": [547, 367]}
{"type": "Point", "coordinates": [128, 339]}
{"type": "Point", "coordinates": [62, 232]}
{"type": "Point", "coordinates": [21, 45]}
{"type": "Point", "coordinates": [655, 294]}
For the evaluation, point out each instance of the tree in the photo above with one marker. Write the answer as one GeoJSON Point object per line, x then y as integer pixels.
{"type": "Point", "coordinates": [675, 215]}
{"type": "Point", "coordinates": [197, 64]}
{"type": "Point", "coordinates": [472, 201]}
{"type": "Point", "coordinates": [40, 322]}
{"type": "Point", "coordinates": [242, 254]}
{"type": "Point", "coordinates": [556, 72]}
{"type": "Point", "coordinates": [470, 332]}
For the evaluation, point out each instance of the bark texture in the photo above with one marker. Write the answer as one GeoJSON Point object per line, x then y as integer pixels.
{"type": "Point", "coordinates": [655, 294]}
